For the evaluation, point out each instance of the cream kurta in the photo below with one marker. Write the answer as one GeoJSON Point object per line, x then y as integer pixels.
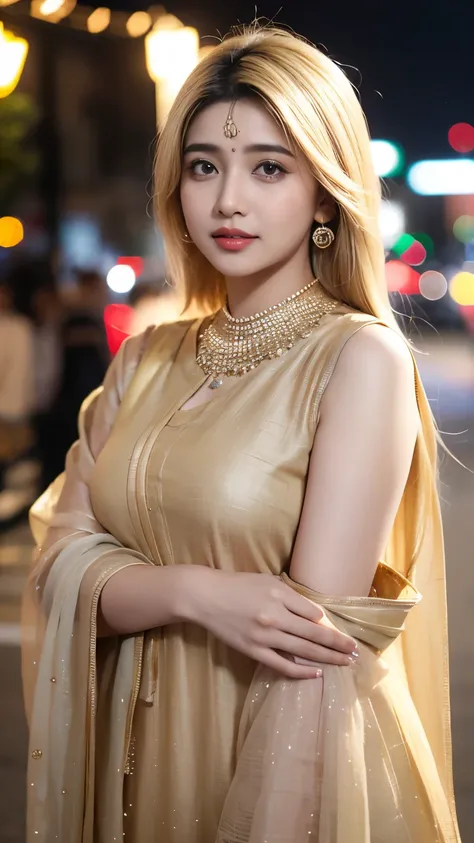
{"type": "Point", "coordinates": [223, 485]}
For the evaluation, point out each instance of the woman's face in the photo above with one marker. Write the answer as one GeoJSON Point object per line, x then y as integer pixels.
{"type": "Point", "coordinates": [252, 185]}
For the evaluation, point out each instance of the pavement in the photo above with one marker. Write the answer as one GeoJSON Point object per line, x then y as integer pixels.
{"type": "Point", "coordinates": [447, 366]}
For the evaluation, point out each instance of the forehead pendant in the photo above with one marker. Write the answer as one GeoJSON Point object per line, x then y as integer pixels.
{"type": "Point", "coordinates": [230, 129]}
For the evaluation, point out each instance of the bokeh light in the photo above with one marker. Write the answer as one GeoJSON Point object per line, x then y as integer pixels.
{"type": "Point", "coordinates": [387, 157]}
{"type": "Point", "coordinates": [463, 228]}
{"type": "Point", "coordinates": [11, 232]}
{"type": "Point", "coordinates": [461, 137]}
{"type": "Point", "coordinates": [138, 24]}
{"type": "Point", "coordinates": [117, 320]}
{"type": "Point", "coordinates": [136, 263]}
{"type": "Point", "coordinates": [403, 243]}
{"type": "Point", "coordinates": [51, 10]}
{"type": "Point", "coordinates": [433, 285]}
{"type": "Point", "coordinates": [415, 254]}
{"type": "Point", "coordinates": [99, 20]}
{"type": "Point", "coordinates": [461, 288]}
{"type": "Point", "coordinates": [425, 241]}
{"type": "Point", "coordinates": [121, 279]}
{"type": "Point", "coordinates": [391, 221]}
{"type": "Point", "coordinates": [401, 278]}
{"type": "Point", "coordinates": [452, 177]}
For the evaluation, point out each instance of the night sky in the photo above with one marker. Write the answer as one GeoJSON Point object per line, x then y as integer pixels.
{"type": "Point", "coordinates": [413, 61]}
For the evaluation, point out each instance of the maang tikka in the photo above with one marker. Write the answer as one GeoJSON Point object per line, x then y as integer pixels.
{"type": "Point", "coordinates": [230, 129]}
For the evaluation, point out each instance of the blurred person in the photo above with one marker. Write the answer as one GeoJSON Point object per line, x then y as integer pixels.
{"type": "Point", "coordinates": [216, 651]}
{"type": "Point", "coordinates": [32, 283]}
{"type": "Point", "coordinates": [84, 358]}
{"type": "Point", "coordinates": [89, 293]}
{"type": "Point", "coordinates": [16, 382]}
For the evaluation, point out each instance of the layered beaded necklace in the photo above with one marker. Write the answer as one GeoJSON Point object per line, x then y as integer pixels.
{"type": "Point", "coordinates": [230, 347]}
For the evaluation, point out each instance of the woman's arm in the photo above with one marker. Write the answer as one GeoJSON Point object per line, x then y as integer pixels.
{"type": "Point", "coordinates": [359, 466]}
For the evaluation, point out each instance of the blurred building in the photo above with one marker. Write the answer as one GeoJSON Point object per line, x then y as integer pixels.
{"type": "Point", "coordinates": [94, 138]}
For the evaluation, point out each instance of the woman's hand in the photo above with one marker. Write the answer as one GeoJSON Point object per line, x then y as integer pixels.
{"type": "Point", "coordinates": [264, 618]}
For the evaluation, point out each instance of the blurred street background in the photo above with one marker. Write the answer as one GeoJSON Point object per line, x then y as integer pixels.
{"type": "Point", "coordinates": [84, 92]}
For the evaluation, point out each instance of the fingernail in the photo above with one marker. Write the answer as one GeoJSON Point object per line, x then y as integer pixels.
{"type": "Point", "coordinates": [355, 654]}
{"type": "Point", "coordinates": [318, 673]}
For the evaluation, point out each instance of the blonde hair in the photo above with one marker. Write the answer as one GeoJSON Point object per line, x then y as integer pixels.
{"type": "Point", "coordinates": [318, 108]}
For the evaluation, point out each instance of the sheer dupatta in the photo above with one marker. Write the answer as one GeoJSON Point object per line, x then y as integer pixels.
{"type": "Point", "coordinates": [342, 758]}
{"type": "Point", "coordinates": [62, 662]}
{"type": "Point", "coordinates": [363, 754]}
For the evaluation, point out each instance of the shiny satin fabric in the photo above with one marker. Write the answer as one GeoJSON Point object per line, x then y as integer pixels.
{"type": "Point", "coordinates": [160, 734]}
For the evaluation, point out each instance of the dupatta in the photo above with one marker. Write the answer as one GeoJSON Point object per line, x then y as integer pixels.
{"type": "Point", "coordinates": [64, 665]}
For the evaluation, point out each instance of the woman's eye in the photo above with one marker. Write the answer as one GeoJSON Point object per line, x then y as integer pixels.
{"type": "Point", "coordinates": [270, 169]}
{"type": "Point", "coordinates": [202, 168]}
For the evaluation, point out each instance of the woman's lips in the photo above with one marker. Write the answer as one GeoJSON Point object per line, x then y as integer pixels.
{"type": "Point", "coordinates": [233, 243]}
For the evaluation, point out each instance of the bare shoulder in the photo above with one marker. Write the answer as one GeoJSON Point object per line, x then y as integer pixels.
{"type": "Point", "coordinates": [376, 349]}
{"type": "Point", "coordinates": [376, 363]}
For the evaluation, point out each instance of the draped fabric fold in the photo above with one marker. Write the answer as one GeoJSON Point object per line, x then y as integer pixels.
{"type": "Point", "coordinates": [332, 759]}
{"type": "Point", "coordinates": [65, 667]}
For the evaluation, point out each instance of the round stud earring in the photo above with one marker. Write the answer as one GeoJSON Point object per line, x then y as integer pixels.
{"type": "Point", "coordinates": [322, 236]}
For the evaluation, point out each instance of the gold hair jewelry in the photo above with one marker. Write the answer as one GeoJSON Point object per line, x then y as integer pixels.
{"type": "Point", "coordinates": [230, 347]}
{"type": "Point", "coordinates": [230, 129]}
{"type": "Point", "coordinates": [322, 236]}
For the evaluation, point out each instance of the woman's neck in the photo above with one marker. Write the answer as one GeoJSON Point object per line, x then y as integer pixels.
{"type": "Point", "coordinates": [251, 294]}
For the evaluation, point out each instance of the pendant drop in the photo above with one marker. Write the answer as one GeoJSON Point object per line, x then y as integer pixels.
{"type": "Point", "coordinates": [216, 383]}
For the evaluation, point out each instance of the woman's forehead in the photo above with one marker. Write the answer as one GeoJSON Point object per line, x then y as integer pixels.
{"type": "Point", "coordinates": [252, 121]}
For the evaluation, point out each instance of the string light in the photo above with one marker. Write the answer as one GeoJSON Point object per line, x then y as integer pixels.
{"type": "Point", "coordinates": [99, 20]}
{"type": "Point", "coordinates": [52, 10]}
{"type": "Point", "coordinates": [138, 24]}
{"type": "Point", "coordinates": [13, 53]}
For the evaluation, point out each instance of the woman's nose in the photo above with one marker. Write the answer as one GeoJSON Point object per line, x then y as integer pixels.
{"type": "Point", "coordinates": [231, 200]}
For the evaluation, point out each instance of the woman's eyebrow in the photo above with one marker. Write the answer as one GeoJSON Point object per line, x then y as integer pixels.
{"type": "Point", "coordinates": [255, 147]}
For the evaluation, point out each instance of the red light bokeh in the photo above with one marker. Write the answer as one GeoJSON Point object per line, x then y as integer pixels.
{"type": "Point", "coordinates": [461, 137]}
{"type": "Point", "coordinates": [117, 321]}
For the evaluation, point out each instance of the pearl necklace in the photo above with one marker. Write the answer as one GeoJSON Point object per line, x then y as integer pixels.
{"type": "Point", "coordinates": [230, 347]}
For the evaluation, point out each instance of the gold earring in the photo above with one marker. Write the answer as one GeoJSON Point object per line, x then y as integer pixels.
{"type": "Point", "coordinates": [322, 236]}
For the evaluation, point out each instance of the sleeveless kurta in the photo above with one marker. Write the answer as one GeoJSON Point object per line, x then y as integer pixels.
{"type": "Point", "coordinates": [222, 485]}
{"type": "Point", "coordinates": [179, 738]}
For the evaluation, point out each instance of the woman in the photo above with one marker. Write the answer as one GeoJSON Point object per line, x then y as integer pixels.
{"type": "Point", "coordinates": [218, 654]}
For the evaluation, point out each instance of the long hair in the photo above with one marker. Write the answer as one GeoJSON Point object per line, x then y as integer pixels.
{"type": "Point", "coordinates": [316, 105]}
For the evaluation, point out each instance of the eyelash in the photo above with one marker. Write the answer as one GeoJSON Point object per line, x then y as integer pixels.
{"type": "Point", "coordinates": [273, 177]}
